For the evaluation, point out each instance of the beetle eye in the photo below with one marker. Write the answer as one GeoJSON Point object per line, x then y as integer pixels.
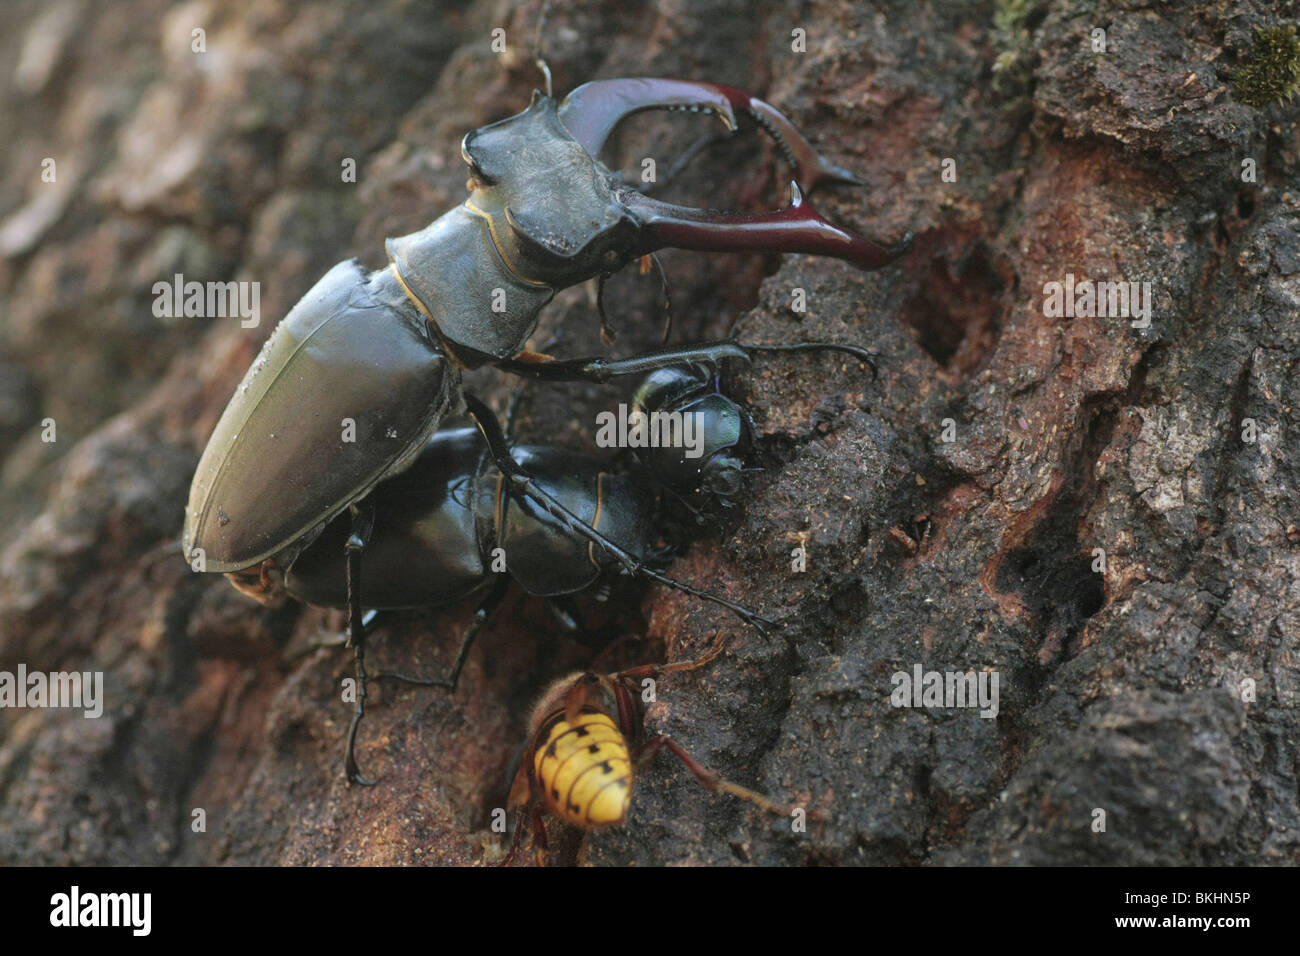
{"type": "Point", "coordinates": [722, 477]}
{"type": "Point", "coordinates": [476, 174]}
{"type": "Point", "coordinates": [477, 177]}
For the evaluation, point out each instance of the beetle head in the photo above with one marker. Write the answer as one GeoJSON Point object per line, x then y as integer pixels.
{"type": "Point", "coordinates": [551, 207]}
{"type": "Point", "coordinates": [713, 476]}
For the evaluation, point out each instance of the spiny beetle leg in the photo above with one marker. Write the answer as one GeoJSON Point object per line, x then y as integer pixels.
{"type": "Point", "coordinates": [523, 484]}
{"type": "Point", "coordinates": [363, 523]}
{"type": "Point", "coordinates": [607, 335]}
{"type": "Point", "coordinates": [866, 356]}
{"type": "Point", "coordinates": [480, 619]}
{"type": "Point", "coordinates": [668, 296]}
{"type": "Point", "coordinates": [599, 370]}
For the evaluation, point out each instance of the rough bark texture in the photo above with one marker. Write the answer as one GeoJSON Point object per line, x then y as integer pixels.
{"type": "Point", "coordinates": [1120, 691]}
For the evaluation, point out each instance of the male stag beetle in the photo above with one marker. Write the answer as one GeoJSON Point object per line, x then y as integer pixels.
{"type": "Point", "coordinates": [440, 525]}
{"type": "Point", "coordinates": [355, 379]}
{"type": "Point", "coordinates": [586, 739]}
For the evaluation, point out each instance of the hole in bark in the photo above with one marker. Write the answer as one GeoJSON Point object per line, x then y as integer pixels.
{"type": "Point", "coordinates": [957, 310]}
{"type": "Point", "coordinates": [1054, 583]}
{"type": "Point", "coordinates": [1245, 204]}
{"type": "Point", "coordinates": [1054, 578]}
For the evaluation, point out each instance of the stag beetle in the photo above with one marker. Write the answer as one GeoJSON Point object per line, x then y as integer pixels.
{"type": "Point", "coordinates": [382, 352]}
{"type": "Point", "coordinates": [438, 525]}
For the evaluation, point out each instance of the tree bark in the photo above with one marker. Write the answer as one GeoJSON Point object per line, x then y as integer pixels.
{"type": "Point", "coordinates": [1104, 517]}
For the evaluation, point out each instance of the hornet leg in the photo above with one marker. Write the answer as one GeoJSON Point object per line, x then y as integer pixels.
{"type": "Point", "coordinates": [711, 779]}
{"type": "Point", "coordinates": [509, 858]}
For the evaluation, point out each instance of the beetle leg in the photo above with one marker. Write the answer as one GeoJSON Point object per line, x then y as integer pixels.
{"type": "Point", "coordinates": [591, 112]}
{"type": "Point", "coordinates": [796, 228]}
{"type": "Point", "coordinates": [522, 483]}
{"type": "Point", "coordinates": [680, 163]}
{"type": "Point", "coordinates": [363, 523]}
{"type": "Point", "coordinates": [862, 355]}
{"type": "Point", "coordinates": [476, 624]}
{"type": "Point", "coordinates": [512, 419]}
{"type": "Point", "coordinates": [599, 369]}
{"type": "Point", "coordinates": [607, 334]}
{"type": "Point", "coordinates": [334, 640]}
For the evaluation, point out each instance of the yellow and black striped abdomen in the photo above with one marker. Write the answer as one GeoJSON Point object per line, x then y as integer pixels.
{"type": "Point", "coordinates": [584, 771]}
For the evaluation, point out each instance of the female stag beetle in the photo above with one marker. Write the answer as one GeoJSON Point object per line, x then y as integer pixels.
{"type": "Point", "coordinates": [355, 379]}
{"type": "Point", "coordinates": [441, 525]}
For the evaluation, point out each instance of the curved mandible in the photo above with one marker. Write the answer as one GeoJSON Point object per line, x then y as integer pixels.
{"type": "Point", "coordinates": [796, 228]}
{"type": "Point", "coordinates": [591, 112]}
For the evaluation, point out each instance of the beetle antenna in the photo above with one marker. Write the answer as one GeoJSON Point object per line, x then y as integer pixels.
{"type": "Point", "coordinates": [607, 333]}
{"type": "Point", "coordinates": [668, 296]}
{"type": "Point", "coordinates": [538, 58]}
{"type": "Point", "coordinates": [546, 72]}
